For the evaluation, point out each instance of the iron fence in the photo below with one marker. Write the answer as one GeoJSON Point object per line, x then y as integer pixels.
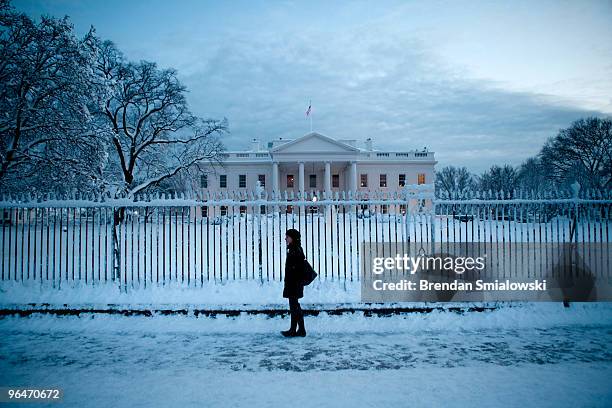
{"type": "Point", "coordinates": [144, 240]}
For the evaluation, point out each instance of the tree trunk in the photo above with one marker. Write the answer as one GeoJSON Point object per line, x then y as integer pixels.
{"type": "Point", "coordinates": [118, 217]}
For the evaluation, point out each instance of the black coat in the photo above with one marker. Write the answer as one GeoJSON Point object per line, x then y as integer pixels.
{"type": "Point", "coordinates": [294, 268]}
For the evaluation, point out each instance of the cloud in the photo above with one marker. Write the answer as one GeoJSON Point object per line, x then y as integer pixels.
{"type": "Point", "coordinates": [369, 83]}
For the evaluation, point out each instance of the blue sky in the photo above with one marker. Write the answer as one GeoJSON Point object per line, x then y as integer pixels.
{"type": "Point", "coordinates": [480, 83]}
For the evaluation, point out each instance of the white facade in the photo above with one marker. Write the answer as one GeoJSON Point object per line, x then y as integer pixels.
{"type": "Point", "coordinates": [317, 163]}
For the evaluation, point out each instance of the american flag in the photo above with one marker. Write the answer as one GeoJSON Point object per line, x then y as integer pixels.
{"type": "Point", "coordinates": [309, 108]}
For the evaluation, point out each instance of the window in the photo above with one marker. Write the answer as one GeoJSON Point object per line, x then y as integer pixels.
{"type": "Point", "coordinates": [242, 181]}
{"type": "Point", "coordinates": [402, 209]}
{"type": "Point", "coordinates": [262, 179]}
{"type": "Point", "coordinates": [204, 212]}
{"type": "Point", "coordinates": [262, 209]}
{"type": "Point", "coordinates": [383, 180]}
{"type": "Point", "coordinates": [421, 178]}
{"type": "Point", "coordinates": [223, 210]}
{"type": "Point", "coordinates": [363, 180]}
{"type": "Point", "coordinates": [402, 180]}
{"type": "Point", "coordinates": [223, 181]}
{"type": "Point", "coordinates": [204, 181]}
{"type": "Point", "coordinates": [335, 181]}
{"type": "Point", "coordinates": [313, 181]}
{"type": "Point", "coordinates": [384, 209]}
{"type": "Point", "coordinates": [290, 180]}
{"type": "Point", "coordinates": [243, 209]}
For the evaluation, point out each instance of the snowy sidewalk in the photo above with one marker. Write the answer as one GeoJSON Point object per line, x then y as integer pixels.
{"type": "Point", "coordinates": [536, 355]}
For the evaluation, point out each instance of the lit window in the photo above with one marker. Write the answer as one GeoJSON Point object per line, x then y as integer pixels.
{"type": "Point", "coordinates": [363, 180]}
{"type": "Point", "coordinates": [383, 180]}
{"type": "Point", "coordinates": [290, 180]}
{"type": "Point", "coordinates": [402, 180]}
{"type": "Point", "coordinates": [421, 178]}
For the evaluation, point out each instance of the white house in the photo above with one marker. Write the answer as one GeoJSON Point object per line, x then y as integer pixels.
{"type": "Point", "coordinates": [315, 162]}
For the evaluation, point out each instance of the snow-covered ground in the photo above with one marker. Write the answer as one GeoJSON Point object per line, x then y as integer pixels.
{"type": "Point", "coordinates": [535, 354]}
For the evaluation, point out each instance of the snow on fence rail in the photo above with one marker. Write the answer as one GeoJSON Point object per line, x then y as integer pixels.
{"type": "Point", "coordinates": [143, 240]}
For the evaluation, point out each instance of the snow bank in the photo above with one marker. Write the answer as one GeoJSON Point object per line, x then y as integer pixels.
{"type": "Point", "coordinates": [222, 294]}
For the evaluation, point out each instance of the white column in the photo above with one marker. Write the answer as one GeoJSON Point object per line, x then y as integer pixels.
{"type": "Point", "coordinates": [275, 183]}
{"type": "Point", "coordinates": [327, 184]}
{"type": "Point", "coordinates": [301, 186]}
{"type": "Point", "coordinates": [327, 180]}
{"type": "Point", "coordinates": [301, 177]}
{"type": "Point", "coordinates": [353, 177]}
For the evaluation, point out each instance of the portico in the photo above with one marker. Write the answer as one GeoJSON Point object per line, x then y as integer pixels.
{"type": "Point", "coordinates": [313, 163]}
{"type": "Point", "coordinates": [314, 176]}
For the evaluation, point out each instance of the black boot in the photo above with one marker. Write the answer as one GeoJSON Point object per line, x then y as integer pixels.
{"type": "Point", "coordinates": [301, 331]}
{"type": "Point", "coordinates": [291, 332]}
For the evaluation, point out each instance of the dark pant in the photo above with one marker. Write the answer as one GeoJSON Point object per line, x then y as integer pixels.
{"type": "Point", "coordinates": [297, 316]}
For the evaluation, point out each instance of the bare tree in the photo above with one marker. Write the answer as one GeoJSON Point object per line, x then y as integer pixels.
{"type": "Point", "coordinates": [453, 180]}
{"type": "Point", "coordinates": [532, 176]}
{"type": "Point", "coordinates": [582, 152]}
{"type": "Point", "coordinates": [498, 179]}
{"type": "Point", "coordinates": [44, 92]}
{"type": "Point", "coordinates": [154, 136]}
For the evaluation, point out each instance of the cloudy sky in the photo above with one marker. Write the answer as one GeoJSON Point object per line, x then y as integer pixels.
{"type": "Point", "coordinates": [479, 83]}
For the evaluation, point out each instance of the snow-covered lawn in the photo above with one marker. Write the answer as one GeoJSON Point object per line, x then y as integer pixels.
{"type": "Point", "coordinates": [531, 355]}
{"type": "Point", "coordinates": [220, 294]}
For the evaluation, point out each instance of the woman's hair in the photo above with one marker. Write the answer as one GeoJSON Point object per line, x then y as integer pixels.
{"type": "Point", "coordinates": [294, 235]}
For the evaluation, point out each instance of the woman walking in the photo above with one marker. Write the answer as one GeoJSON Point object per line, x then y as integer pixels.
{"type": "Point", "coordinates": [294, 288]}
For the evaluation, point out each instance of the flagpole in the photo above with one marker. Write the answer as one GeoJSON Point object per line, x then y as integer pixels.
{"type": "Point", "coordinates": [309, 114]}
{"type": "Point", "coordinates": [310, 122]}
